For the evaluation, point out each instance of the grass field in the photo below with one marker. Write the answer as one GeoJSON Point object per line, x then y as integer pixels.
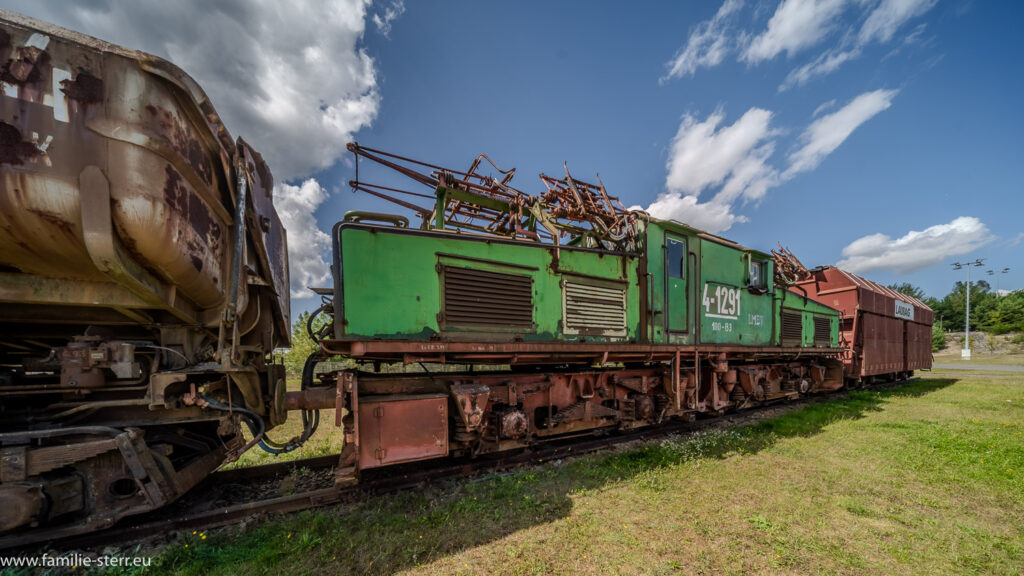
{"type": "Point", "coordinates": [923, 478]}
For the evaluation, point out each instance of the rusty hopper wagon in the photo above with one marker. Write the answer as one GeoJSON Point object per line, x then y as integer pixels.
{"type": "Point", "coordinates": [144, 285]}
{"type": "Point", "coordinates": [889, 334]}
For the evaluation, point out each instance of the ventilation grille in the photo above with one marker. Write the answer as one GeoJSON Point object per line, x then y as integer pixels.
{"type": "Point", "coordinates": [594, 309]}
{"type": "Point", "coordinates": [479, 298]}
{"type": "Point", "coordinates": [822, 329]}
{"type": "Point", "coordinates": [792, 328]}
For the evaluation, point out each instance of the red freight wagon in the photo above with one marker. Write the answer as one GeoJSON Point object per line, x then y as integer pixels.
{"type": "Point", "coordinates": [885, 333]}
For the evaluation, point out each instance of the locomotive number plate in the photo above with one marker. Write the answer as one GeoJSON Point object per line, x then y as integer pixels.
{"type": "Point", "coordinates": [721, 301]}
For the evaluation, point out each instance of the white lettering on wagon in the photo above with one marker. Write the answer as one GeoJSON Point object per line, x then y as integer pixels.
{"type": "Point", "coordinates": [904, 310]}
{"type": "Point", "coordinates": [56, 99]}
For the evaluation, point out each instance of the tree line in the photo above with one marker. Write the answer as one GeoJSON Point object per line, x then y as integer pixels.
{"type": "Point", "coordinates": [990, 312]}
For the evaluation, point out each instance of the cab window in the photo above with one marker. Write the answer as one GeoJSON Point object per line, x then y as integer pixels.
{"type": "Point", "coordinates": [756, 274]}
{"type": "Point", "coordinates": [676, 257]}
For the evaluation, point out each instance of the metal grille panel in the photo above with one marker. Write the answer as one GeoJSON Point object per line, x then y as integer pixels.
{"type": "Point", "coordinates": [594, 309]}
{"type": "Point", "coordinates": [822, 330]}
{"type": "Point", "coordinates": [792, 327]}
{"type": "Point", "coordinates": [481, 298]}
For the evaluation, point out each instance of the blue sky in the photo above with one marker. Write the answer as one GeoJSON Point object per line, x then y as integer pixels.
{"type": "Point", "coordinates": [882, 134]}
{"type": "Point", "coordinates": [533, 85]}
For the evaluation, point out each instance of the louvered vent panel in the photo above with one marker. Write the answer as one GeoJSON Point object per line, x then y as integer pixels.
{"type": "Point", "coordinates": [594, 309]}
{"type": "Point", "coordinates": [792, 329]}
{"type": "Point", "coordinates": [479, 298]}
{"type": "Point", "coordinates": [822, 328]}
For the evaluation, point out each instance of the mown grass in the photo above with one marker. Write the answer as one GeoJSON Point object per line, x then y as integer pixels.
{"type": "Point", "coordinates": [923, 478]}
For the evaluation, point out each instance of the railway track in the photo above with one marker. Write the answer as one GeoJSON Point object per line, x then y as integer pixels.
{"type": "Point", "coordinates": [194, 512]}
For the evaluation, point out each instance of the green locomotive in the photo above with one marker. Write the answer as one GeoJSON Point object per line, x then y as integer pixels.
{"type": "Point", "coordinates": [629, 322]}
{"type": "Point", "coordinates": [680, 287]}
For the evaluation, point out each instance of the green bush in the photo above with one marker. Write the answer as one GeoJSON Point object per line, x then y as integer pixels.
{"type": "Point", "coordinates": [302, 345]}
{"type": "Point", "coordinates": [938, 339]}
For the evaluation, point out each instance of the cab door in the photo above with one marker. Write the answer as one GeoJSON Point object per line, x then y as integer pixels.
{"type": "Point", "coordinates": [675, 283]}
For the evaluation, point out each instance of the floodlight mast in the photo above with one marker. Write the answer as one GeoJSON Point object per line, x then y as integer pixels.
{"type": "Point", "coordinates": [997, 274]}
{"type": "Point", "coordinates": [966, 352]}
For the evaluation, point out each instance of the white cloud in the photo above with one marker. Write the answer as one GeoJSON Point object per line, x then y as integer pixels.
{"type": "Point", "coordinates": [824, 64]}
{"type": "Point", "coordinates": [306, 242]}
{"type": "Point", "coordinates": [707, 45]}
{"type": "Point", "coordinates": [289, 77]}
{"type": "Point", "coordinates": [732, 158]}
{"type": "Point", "coordinates": [915, 37]}
{"type": "Point", "coordinates": [796, 25]}
{"type": "Point", "coordinates": [917, 249]}
{"type": "Point", "coordinates": [705, 155]}
{"type": "Point", "coordinates": [823, 107]}
{"type": "Point", "coordinates": [711, 216]}
{"type": "Point", "coordinates": [735, 159]}
{"type": "Point", "coordinates": [751, 177]}
{"type": "Point", "coordinates": [826, 133]}
{"type": "Point", "coordinates": [882, 23]}
{"type": "Point", "coordinates": [383, 23]}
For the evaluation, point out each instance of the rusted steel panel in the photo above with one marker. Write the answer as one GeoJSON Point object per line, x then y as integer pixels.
{"type": "Point", "coordinates": [77, 107]}
{"type": "Point", "coordinates": [268, 232]}
{"type": "Point", "coordinates": [402, 428]}
{"type": "Point", "coordinates": [115, 169]}
{"type": "Point", "coordinates": [919, 346]}
{"type": "Point", "coordinates": [883, 345]}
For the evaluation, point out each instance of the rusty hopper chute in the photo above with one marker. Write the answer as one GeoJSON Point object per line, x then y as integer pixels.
{"type": "Point", "coordinates": [471, 201]}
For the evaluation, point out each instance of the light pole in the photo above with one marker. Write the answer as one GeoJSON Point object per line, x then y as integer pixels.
{"type": "Point", "coordinates": [966, 352]}
{"type": "Point", "coordinates": [996, 274]}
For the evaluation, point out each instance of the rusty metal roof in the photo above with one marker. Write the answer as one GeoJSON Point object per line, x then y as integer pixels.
{"type": "Point", "coordinates": [876, 287]}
